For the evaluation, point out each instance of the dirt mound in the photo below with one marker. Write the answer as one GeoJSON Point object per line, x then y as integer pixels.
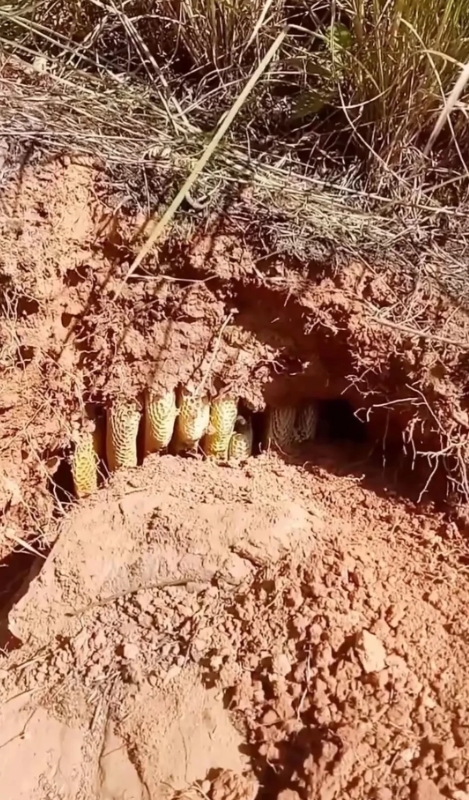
{"type": "Point", "coordinates": [311, 644]}
{"type": "Point", "coordinates": [213, 310]}
{"type": "Point", "coordinates": [291, 627]}
{"type": "Point", "coordinates": [342, 682]}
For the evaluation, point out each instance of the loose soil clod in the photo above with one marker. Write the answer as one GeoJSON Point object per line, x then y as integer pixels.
{"type": "Point", "coordinates": [302, 603]}
{"type": "Point", "coordinates": [291, 628]}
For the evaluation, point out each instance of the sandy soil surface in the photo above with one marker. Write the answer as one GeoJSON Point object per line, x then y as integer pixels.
{"type": "Point", "coordinates": [264, 631]}
{"type": "Point", "coordinates": [291, 628]}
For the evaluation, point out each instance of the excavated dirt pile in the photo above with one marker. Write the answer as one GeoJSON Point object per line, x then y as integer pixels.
{"type": "Point", "coordinates": [293, 629]}
{"type": "Point", "coordinates": [213, 311]}
{"type": "Point", "coordinates": [291, 626]}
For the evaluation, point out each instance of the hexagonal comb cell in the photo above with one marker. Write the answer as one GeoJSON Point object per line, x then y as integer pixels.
{"type": "Point", "coordinates": [185, 418]}
{"type": "Point", "coordinates": [85, 466]}
{"type": "Point", "coordinates": [122, 422]}
{"type": "Point", "coordinates": [160, 416]}
{"type": "Point", "coordinates": [306, 422]}
{"type": "Point", "coordinates": [280, 431]}
{"type": "Point", "coordinates": [192, 420]}
{"type": "Point", "coordinates": [223, 413]}
{"type": "Point", "coordinates": [241, 440]}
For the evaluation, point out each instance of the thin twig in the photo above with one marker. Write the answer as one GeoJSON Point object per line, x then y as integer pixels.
{"type": "Point", "coordinates": [213, 356]}
{"type": "Point", "coordinates": [421, 334]}
{"type": "Point", "coordinates": [113, 597]}
{"type": "Point", "coordinates": [205, 157]}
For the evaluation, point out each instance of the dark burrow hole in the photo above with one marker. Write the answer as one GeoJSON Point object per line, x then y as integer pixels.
{"type": "Point", "coordinates": [337, 423]}
{"type": "Point", "coordinates": [76, 275]}
{"type": "Point", "coordinates": [17, 570]}
{"type": "Point", "coordinates": [27, 306]}
{"type": "Point", "coordinates": [60, 483]}
{"type": "Point", "coordinates": [66, 319]}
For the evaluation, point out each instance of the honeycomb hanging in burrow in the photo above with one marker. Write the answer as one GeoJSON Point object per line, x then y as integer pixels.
{"type": "Point", "coordinates": [280, 428]}
{"type": "Point", "coordinates": [288, 426]}
{"type": "Point", "coordinates": [84, 463]}
{"type": "Point", "coordinates": [306, 422]}
{"type": "Point", "coordinates": [241, 440]}
{"type": "Point", "coordinates": [122, 423]}
{"type": "Point", "coordinates": [185, 418]}
{"type": "Point", "coordinates": [159, 419]}
{"type": "Point", "coordinates": [223, 414]}
{"type": "Point", "coordinates": [192, 420]}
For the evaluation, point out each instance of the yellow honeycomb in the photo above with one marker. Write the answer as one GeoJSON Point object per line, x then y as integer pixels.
{"type": "Point", "coordinates": [240, 446]}
{"type": "Point", "coordinates": [160, 416]}
{"type": "Point", "coordinates": [306, 423]}
{"type": "Point", "coordinates": [122, 423]}
{"type": "Point", "coordinates": [85, 466]}
{"type": "Point", "coordinates": [223, 413]}
{"type": "Point", "coordinates": [192, 420]}
{"type": "Point", "coordinates": [281, 427]}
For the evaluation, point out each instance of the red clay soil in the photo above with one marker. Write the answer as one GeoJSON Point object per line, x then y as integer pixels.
{"type": "Point", "coordinates": [211, 309]}
{"type": "Point", "coordinates": [287, 625]}
{"type": "Point", "coordinates": [274, 630]}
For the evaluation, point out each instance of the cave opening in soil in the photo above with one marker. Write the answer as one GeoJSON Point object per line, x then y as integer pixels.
{"type": "Point", "coordinates": [17, 570]}
{"type": "Point", "coordinates": [341, 442]}
{"type": "Point", "coordinates": [291, 554]}
{"type": "Point", "coordinates": [337, 424]}
{"type": "Point", "coordinates": [60, 484]}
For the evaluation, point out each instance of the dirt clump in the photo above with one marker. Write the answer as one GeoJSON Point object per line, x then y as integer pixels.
{"type": "Point", "coordinates": [289, 627]}
{"type": "Point", "coordinates": [213, 310]}
{"type": "Point", "coordinates": [232, 786]}
{"type": "Point", "coordinates": [331, 664]}
{"type": "Point", "coordinates": [339, 674]}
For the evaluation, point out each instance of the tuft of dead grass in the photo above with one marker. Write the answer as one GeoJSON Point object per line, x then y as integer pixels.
{"type": "Point", "coordinates": [332, 154]}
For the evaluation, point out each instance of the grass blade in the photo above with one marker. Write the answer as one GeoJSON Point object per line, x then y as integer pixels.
{"type": "Point", "coordinates": [205, 157]}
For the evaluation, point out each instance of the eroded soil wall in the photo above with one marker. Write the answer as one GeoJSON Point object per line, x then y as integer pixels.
{"type": "Point", "coordinates": [211, 308]}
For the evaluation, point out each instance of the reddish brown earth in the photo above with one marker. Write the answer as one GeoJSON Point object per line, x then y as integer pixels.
{"type": "Point", "coordinates": [283, 623]}
{"type": "Point", "coordinates": [283, 629]}
{"type": "Point", "coordinates": [212, 309]}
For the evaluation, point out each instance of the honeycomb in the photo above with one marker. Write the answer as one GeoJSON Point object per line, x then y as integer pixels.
{"type": "Point", "coordinates": [281, 427]}
{"type": "Point", "coordinates": [122, 423]}
{"type": "Point", "coordinates": [306, 423]}
{"type": "Point", "coordinates": [85, 466]}
{"type": "Point", "coordinates": [192, 420]}
{"type": "Point", "coordinates": [240, 446]}
{"type": "Point", "coordinates": [159, 419]}
{"type": "Point", "coordinates": [223, 414]}
{"type": "Point", "coordinates": [186, 419]}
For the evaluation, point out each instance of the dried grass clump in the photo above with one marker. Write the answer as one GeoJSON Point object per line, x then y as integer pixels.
{"type": "Point", "coordinates": [334, 142]}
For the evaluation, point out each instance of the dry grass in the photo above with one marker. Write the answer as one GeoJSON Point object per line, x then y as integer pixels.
{"type": "Point", "coordinates": [330, 145]}
{"type": "Point", "coordinates": [403, 57]}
